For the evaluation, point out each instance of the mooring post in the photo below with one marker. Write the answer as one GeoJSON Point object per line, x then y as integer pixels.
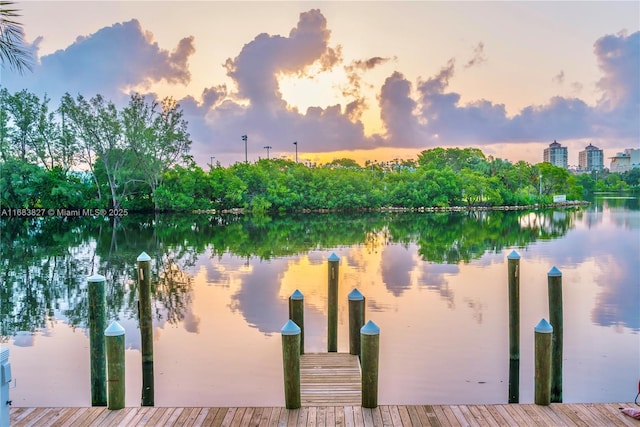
{"type": "Point", "coordinates": [542, 344]}
{"type": "Point", "coordinates": [513, 261]}
{"type": "Point", "coordinates": [514, 304]}
{"type": "Point", "coordinates": [356, 320]}
{"type": "Point", "coordinates": [296, 313]}
{"type": "Point", "coordinates": [291, 364]}
{"type": "Point", "coordinates": [370, 341]}
{"type": "Point", "coordinates": [332, 312]}
{"type": "Point", "coordinates": [97, 325]}
{"type": "Point", "coordinates": [146, 327]}
{"type": "Point", "coordinates": [554, 280]}
{"type": "Point", "coordinates": [114, 337]}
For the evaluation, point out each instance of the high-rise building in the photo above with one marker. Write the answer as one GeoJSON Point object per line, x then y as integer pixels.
{"type": "Point", "coordinates": [591, 159]}
{"type": "Point", "coordinates": [556, 154]}
{"type": "Point", "coordinates": [626, 160]}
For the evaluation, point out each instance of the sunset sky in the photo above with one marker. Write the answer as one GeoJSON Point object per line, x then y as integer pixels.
{"type": "Point", "coordinates": [364, 80]}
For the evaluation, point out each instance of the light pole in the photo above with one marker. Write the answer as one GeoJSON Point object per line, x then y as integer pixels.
{"type": "Point", "coordinates": [296, 144]}
{"type": "Point", "coordinates": [211, 164]}
{"type": "Point", "coordinates": [244, 138]}
{"type": "Point", "coordinates": [268, 147]}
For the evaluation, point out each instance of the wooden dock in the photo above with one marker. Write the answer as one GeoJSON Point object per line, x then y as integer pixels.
{"type": "Point", "coordinates": [330, 379]}
{"type": "Point", "coordinates": [517, 415]}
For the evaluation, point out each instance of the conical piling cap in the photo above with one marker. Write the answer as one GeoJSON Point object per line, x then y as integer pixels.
{"type": "Point", "coordinates": [297, 295]}
{"type": "Point", "coordinates": [355, 295]}
{"type": "Point", "coordinates": [290, 328]}
{"type": "Point", "coordinates": [370, 329]}
{"type": "Point", "coordinates": [143, 257]}
{"type": "Point", "coordinates": [114, 330]}
{"type": "Point", "coordinates": [543, 327]}
{"type": "Point", "coordinates": [513, 255]}
{"type": "Point", "coordinates": [334, 257]}
{"type": "Point", "coordinates": [554, 272]}
{"type": "Point", "coordinates": [96, 278]}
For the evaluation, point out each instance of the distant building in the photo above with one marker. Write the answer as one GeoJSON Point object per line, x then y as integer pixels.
{"type": "Point", "coordinates": [625, 161]}
{"type": "Point", "coordinates": [591, 159]}
{"type": "Point", "coordinates": [556, 154]}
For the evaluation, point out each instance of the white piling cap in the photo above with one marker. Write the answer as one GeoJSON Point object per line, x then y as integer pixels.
{"type": "Point", "coordinates": [355, 295]}
{"type": "Point", "coordinates": [334, 257]}
{"type": "Point", "coordinates": [297, 295]}
{"type": "Point", "coordinates": [543, 327]}
{"type": "Point", "coordinates": [513, 255]}
{"type": "Point", "coordinates": [554, 272]}
{"type": "Point", "coordinates": [370, 329]}
{"type": "Point", "coordinates": [96, 278]}
{"type": "Point", "coordinates": [114, 330]}
{"type": "Point", "coordinates": [290, 328]}
{"type": "Point", "coordinates": [143, 257]}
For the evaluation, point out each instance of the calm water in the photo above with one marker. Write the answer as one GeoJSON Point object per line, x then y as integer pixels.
{"type": "Point", "coordinates": [435, 284]}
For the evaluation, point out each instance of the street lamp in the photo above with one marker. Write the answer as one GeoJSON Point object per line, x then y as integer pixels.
{"type": "Point", "coordinates": [268, 147]}
{"type": "Point", "coordinates": [244, 138]}
{"type": "Point", "coordinates": [211, 164]}
{"type": "Point", "coordinates": [296, 144]}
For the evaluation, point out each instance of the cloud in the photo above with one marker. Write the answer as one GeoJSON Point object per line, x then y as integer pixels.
{"type": "Point", "coordinates": [478, 56]}
{"type": "Point", "coordinates": [110, 61]}
{"type": "Point", "coordinates": [414, 114]}
{"type": "Point", "coordinates": [559, 78]}
{"type": "Point", "coordinates": [255, 70]}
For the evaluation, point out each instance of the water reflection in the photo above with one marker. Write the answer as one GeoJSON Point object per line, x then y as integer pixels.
{"type": "Point", "coordinates": [431, 281]}
{"type": "Point", "coordinates": [45, 267]}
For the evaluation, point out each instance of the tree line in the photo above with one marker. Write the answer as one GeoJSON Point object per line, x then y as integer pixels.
{"type": "Point", "coordinates": [88, 153]}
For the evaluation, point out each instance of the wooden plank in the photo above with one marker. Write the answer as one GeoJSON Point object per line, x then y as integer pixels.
{"type": "Point", "coordinates": [486, 411]}
{"type": "Point", "coordinates": [616, 410]}
{"type": "Point", "coordinates": [330, 379]}
{"type": "Point", "coordinates": [413, 416]}
{"type": "Point", "coordinates": [441, 416]}
{"type": "Point", "coordinates": [432, 416]}
{"type": "Point", "coordinates": [556, 414]}
{"type": "Point", "coordinates": [502, 412]}
{"type": "Point", "coordinates": [340, 421]}
{"type": "Point", "coordinates": [386, 416]}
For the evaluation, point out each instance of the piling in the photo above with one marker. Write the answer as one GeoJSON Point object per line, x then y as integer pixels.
{"type": "Point", "coordinates": [296, 313]}
{"type": "Point", "coordinates": [514, 304]}
{"type": "Point", "coordinates": [554, 280]}
{"type": "Point", "coordinates": [114, 337]}
{"type": "Point", "coordinates": [513, 261]}
{"type": "Point", "coordinates": [97, 325]}
{"type": "Point", "coordinates": [146, 327]}
{"type": "Point", "coordinates": [356, 320]}
{"type": "Point", "coordinates": [542, 384]}
{"type": "Point", "coordinates": [291, 364]}
{"type": "Point", "coordinates": [370, 341]}
{"type": "Point", "coordinates": [332, 312]}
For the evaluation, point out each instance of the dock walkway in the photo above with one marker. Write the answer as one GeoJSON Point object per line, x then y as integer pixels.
{"type": "Point", "coordinates": [330, 379]}
{"type": "Point", "coordinates": [524, 415]}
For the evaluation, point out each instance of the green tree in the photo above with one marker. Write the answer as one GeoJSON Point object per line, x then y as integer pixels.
{"type": "Point", "coordinates": [157, 134]}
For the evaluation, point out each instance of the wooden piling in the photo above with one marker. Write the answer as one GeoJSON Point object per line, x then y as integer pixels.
{"type": "Point", "coordinates": [332, 311]}
{"type": "Point", "coordinates": [514, 381]}
{"type": "Point", "coordinates": [97, 325]}
{"type": "Point", "coordinates": [554, 280]}
{"type": "Point", "coordinates": [146, 328]}
{"type": "Point", "coordinates": [356, 320]}
{"type": "Point", "coordinates": [296, 313]}
{"type": "Point", "coordinates": [542, 384]}
{"type": "Point", "coordinates": [514, 304]}
{"type": "Point", "coordinates": [291, 364]}
{"type": "Point", "coordinates": [114, 337]}
{"type": "Point", "coordinates": [370, 342]}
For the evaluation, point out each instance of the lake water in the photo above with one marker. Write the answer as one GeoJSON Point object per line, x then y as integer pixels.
{"type": "Point", "coordinates": [435, 284]}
